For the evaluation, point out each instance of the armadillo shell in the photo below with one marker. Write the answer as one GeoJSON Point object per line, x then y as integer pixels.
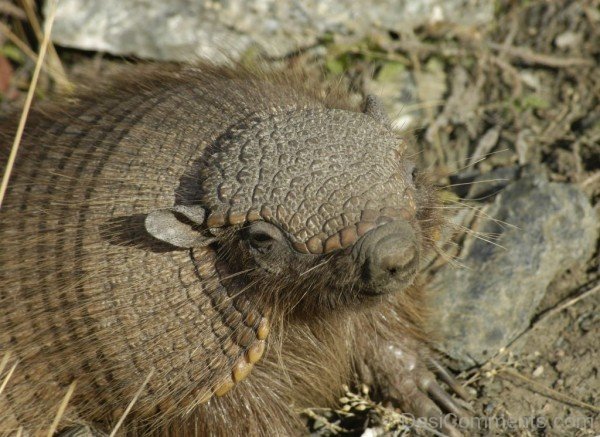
{"type": "Point", "coordinates": [305, 170]}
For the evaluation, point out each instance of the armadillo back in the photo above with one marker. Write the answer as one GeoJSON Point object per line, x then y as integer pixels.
{"type": "Point", "coordinates": [85, 294]}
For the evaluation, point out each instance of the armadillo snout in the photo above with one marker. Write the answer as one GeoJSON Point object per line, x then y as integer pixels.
{"type": "Point", "coordinates": [394, 260]}
{"type": "Point", "coordinates": [388, 257]}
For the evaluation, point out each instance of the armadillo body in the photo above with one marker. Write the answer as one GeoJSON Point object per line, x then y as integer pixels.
{"type": "Point", "coordinates": [101, 286]}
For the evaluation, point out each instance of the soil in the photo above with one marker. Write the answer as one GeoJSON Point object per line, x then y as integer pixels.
{"type": "Point", "coordinates": [525, 90]}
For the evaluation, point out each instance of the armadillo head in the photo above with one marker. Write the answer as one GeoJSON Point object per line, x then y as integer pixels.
{"type": "Point", "coordinates": [316, 204]}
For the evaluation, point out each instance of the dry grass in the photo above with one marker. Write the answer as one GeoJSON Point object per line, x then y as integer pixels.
{"type": "Point", "coordinates": [10, 372]}
{"type": "Point", "coordinates": [61, 409]}
{"type": "Point", "coordinates": [36, 74]}
{"type": "Point", "coordinates": [131, 404]}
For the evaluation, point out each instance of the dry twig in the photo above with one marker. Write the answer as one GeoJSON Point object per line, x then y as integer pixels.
{"type": "Point", "coordinates": [546, 391]}
{"type": "Point", "coordinates": [564, 304]}
{"type": "Point", "coordinates": [526, 55]}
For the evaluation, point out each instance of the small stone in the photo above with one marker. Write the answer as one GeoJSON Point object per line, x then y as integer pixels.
{"type": "Point", "coordinates": [374, 432]}
{"type": "Point", "coordinates": [539, 370]}
{"type": "Point", "coordinates": [568, 40]}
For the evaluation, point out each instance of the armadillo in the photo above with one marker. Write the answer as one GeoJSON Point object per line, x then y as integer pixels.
{"type": "Point", "coordinates": [222, 245]}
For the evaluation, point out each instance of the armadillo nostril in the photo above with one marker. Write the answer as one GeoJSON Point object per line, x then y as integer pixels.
{"type": "Point", "coordinates": [398, 261]}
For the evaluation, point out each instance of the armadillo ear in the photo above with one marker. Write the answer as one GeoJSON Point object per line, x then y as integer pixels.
{"type": "Point", "coordinates": [374, 108]}
{"type": "Point", "coordinates": [178, 226]}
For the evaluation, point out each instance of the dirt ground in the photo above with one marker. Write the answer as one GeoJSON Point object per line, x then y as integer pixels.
{"type": "Point", "coordinates": [524, 91]}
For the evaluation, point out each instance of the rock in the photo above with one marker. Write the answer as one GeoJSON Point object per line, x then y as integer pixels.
{"type": "Point", "coordinates": [490, 298]}
{"type": "Point", "coordinates": [568, 40]}
{"type": "Point", "coordinates": [374, 432]}
{"type": "Point", "coordinates": [184, 30]}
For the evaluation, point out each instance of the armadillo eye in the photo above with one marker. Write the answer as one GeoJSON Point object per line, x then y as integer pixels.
{"type": "Point", "coordinates": [263, 237]}
{"type": "Point", "coordinates": [261, 241]}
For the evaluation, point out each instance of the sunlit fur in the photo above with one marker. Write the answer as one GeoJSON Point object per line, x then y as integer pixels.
{"type": "Point", "coordinates": [87, 295]}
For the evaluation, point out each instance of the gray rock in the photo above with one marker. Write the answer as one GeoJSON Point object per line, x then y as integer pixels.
{"type": "Point", "coordinates": [490, 299]}
{"type": "Point", "coordinates": [187, 30]}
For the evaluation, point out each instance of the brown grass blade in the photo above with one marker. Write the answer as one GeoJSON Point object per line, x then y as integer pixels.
{"type": "Point", "coordinates": [131, 404]}
{"type": "Point", "coordinates": [21, 45]}
{"type": "Point", "coordinates": [28, 100]}
{"type": "Point", "coordinates": [61, 409]}
{"type": "Point", "coordinates": [7, 377]}
{"type": "Point", "coordinates": [53, 58]}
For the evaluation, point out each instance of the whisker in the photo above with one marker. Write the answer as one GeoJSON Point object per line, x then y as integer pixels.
{"type": "Point", "coordinates": [480, 159]}
{"type": "Point", "coordinates": [315, 267]}
{"type": "Point", "coordinates": [480, 236]}
{"type": "Point", "coordinates": [475, 182]}
{"type": "Point", "coordinates": [236, 274]}
{"type": "Point", "coordinates": [481, 213]}
{"type": "Point", "coordinates": [452, 260]}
